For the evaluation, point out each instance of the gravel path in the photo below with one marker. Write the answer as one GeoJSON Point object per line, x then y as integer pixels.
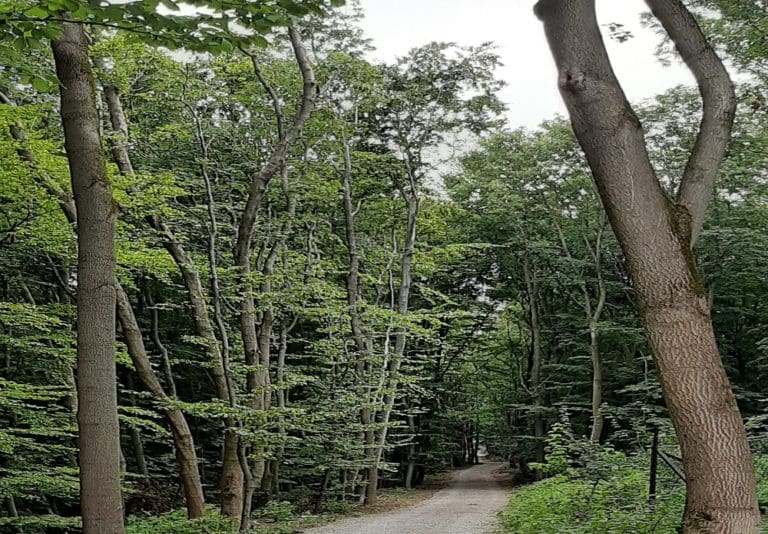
{"type": "Point", "coordinates": [467, 506]}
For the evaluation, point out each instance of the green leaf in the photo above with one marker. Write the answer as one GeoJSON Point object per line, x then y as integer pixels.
{"type": "Point", "coordinates": [41, 85]}
{"type": "Point", "coordinates": [37, 12]}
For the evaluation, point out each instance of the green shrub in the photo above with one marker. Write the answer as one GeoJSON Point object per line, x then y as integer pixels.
{"type": "Point", "coordinates": [338, 507]}
{"type": "Point", "coordinates": [616, 505]}
{"type": "Point", "coordinates": [579, 502]}
{"type": "Point", "coordinates": [593, 489]}
{"type": "Point", "coordinates": [761, 470]}
{"type": "Point", "coordinates": [277, 511]}
{"type": "Point", "coordinates": [176, 522]}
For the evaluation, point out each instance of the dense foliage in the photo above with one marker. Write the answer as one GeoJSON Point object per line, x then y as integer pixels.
{"type": "Point", "coordinates": [410, 304]}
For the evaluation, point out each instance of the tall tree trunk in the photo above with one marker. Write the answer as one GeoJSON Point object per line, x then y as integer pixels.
{"type": "Point", "coordinates": [262, 476]}
{"type": "Point", "coordinates": [656, 236]}
{"type": "Point", "coordinates": [593, 319]}
{"type": "Point", "coordinates": [362, 343]}
{"type": "Point", "coordinates": [100, 499]}
{"type": "Point", "coordinates": [136, 443]}
{"type": "Point", "coordinates": [232, 477]}
{"type": "Point", "coordinates": [401, 334]}
{"type": "Point", "coordinates": [534, 372]}
{"type": "Point", "coordinates": [258, 380]}
{"type": "Point", "coordinates": [183, 442]}
{"type": "Point", "coordinates": [230, 480]}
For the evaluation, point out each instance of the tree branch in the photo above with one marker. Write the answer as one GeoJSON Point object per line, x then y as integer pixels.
{"type": "Point", "coordinates": [719, 107]}
{"type": "Point", "coordinates": [277, 159]}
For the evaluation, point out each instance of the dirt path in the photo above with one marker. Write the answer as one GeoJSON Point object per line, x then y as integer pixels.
{"type": "Point", "coordinates": [467, 506]}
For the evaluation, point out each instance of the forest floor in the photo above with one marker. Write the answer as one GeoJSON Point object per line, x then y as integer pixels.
{"type": "Point", "coordinates": [468, 503]}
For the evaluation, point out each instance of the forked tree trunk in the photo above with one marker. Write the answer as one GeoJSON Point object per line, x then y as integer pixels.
{"type": "Point", "coordinates": [269, 473]}
{"type": "Point", "coordinates": [362, 342]}
{"type": "Point", "coordinates": [257, 378]}
{"type": "Point", "coordinates": [593, 315]}
{"type": "Point", "coordinates": [656, 236]}
{"type": "Point", "coordinates": [99, 434]}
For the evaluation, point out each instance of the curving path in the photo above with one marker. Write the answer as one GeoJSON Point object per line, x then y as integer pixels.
{"type": "Point", "coordinates": [467, 506]}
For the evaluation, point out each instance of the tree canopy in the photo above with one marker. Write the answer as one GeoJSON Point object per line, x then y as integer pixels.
{"type": "Point", "coordinates": [333, 276]}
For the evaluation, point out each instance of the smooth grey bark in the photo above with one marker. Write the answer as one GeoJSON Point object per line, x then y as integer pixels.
{"type": "Point", "coordinates": [656, 236]}
{"type": "Point", "coordinates": [99, 434]}
{"type": "Point", "coordinates": [118, 138]}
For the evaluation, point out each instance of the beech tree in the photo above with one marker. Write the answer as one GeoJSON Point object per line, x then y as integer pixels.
{"type": "Point", "coordinates": [657, 235]}
{"type": "Point", "coordinates": [100, 499]}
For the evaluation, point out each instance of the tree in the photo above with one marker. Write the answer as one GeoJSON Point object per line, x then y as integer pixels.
{"type": "Point", "coordinates": [657, 235]}
{"type": "Point", "coordinates": [183, 440]}
{"type": "Point", "coordinates": [100, 498]}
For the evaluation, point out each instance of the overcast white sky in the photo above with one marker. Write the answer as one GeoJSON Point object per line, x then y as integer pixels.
{"type": "Point", "coordinates": [531, 94]}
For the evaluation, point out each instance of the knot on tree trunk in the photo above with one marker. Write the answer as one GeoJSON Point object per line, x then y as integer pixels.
{"type": "Point", "coordinates": [681, 220]}
{"type": "Point", "coordinates": [573, 80]}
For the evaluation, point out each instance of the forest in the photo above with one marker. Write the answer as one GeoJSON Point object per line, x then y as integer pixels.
{"type": "Point", "coordinates": [252, 280]}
